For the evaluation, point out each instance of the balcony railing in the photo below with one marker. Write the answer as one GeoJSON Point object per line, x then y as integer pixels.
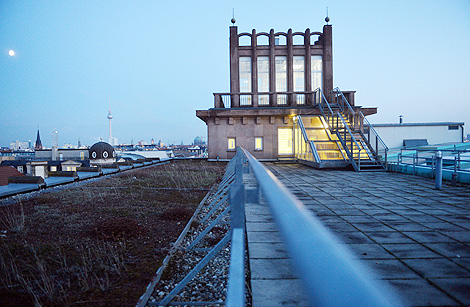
{"type": "Point", "coordinates": [265, 99]}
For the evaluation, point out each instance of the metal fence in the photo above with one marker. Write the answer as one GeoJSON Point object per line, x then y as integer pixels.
{"type": "Point", "coordinates": [422, 162]}
{"type": "Point", "coordinates": [329, 275]}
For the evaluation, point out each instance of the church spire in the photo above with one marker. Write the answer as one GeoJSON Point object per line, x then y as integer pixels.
{"type": "Point", "coordinates": [38, 145]}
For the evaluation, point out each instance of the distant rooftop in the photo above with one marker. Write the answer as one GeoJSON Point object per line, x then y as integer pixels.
{"type": "Point", "coordinates": [421, 124]}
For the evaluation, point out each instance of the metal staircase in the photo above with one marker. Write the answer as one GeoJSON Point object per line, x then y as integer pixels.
{"type": "Point", "coordinates": [316, 145]}
{"type": "Point", "coordinates": [339, 137]}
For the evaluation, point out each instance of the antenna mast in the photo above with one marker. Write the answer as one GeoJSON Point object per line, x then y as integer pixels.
{"type": "Point", "coordinates": [233, 17]}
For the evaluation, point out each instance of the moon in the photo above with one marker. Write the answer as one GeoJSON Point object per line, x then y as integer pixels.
{"type": "Point", "coordinates": [11, 53]}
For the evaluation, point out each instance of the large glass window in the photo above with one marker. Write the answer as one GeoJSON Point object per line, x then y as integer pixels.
{"type": "Point", "coordinates": [263, 79]}
{"type": "Point", "coordinates": [317, 68]}
{"type": "Point", "coordinates": [245, 74]}
{"type": "Point", "coordinates": [299, 78]}
{"type": "Point", "coordinates": [281, 79]}
{"type": "Point", "coordinates": [281, 74]}
{"type": "Point", "coordinates": [263, 74]}
{"type": "Point", "coordinates": [299, 75]}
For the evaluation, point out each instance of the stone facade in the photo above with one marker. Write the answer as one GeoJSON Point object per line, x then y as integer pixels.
{"type": "Point", "coordinates": [249, 112]}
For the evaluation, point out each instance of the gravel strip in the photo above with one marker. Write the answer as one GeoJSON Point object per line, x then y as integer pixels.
{"type": "Point", "coordinates": [210, 284]}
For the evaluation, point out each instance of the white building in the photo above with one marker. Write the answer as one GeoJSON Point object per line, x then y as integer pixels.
{"type": "Point", "coordinates": [403, 135]}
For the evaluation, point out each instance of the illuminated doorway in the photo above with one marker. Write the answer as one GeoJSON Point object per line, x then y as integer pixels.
{"type": "Point", "coordinates": [284, 141]}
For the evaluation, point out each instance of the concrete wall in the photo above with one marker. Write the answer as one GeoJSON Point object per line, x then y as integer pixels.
{"type": "Point", "coordinates": [394, 135]}
{"type": "Point", "coordinates": [244, 130]}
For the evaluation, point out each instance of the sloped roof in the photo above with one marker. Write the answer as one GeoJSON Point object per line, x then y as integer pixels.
{"type": "Point", "coordinates": [8, 171]}
{"type": "Point", "coordinates": [14, 163]}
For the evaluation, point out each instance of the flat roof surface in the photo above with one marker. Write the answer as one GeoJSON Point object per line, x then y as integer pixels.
{"type": "Point", "coordinates": [415, 238]}
{"type": "Point", "coordinates": [15, 188]}
{"type": "Point", "coordinates": [52, 181]}
{"type": "Point", "coordinates": [420, 124]}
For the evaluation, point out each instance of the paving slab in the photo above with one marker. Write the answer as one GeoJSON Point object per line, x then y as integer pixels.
{"type": "Point", "coordinates": [278, 292]}
{"type": "Point", "coordinates": [420, 292]}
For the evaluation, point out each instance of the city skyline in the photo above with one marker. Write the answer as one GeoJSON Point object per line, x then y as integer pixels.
{"type": "Point", "coordinates": [156, 63]}
{"type": "Point", "coordinates": [30, 144]}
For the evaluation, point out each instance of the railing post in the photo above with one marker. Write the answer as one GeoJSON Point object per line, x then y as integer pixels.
{"type": "Point", "coordinates": [438, 183]}
{"type": "Point", "coordinates": [273, 99]}
{"type": "Point", "coordinates": [217, 101]}
{"type": "Point", "coordinates": [454, 174]}
{"type": "Point", "coordinates": [376, 143]}
{"type": "Point", "coordinates": [235, 100]}
{"type": "Point", "coordinates": [254, 100]}
{"type": "Point", "coordinates": [386, 159]}
{"type": "Point", "coordinates": [359, 159]}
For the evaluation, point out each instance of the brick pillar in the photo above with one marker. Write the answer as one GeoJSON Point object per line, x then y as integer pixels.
{"type": "Point", "coordinates": [272, 69]}
{"type": "Point", "coordinates": [290, 67]}
{"type": "Point", "coordinates": [308, 67]}
{"type": "Point", "coordinates": [327, 62]}
{"type": "Point", "coordinates": [234, 67]}
{"type": "Point", "coordinates": [254, 68]}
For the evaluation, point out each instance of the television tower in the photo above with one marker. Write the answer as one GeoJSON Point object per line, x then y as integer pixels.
{"type": "Point", "coordinates": [110, 133]}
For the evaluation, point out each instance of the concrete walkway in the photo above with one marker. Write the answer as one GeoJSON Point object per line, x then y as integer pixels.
{"type": "Point", "coordinates": [416, 238]}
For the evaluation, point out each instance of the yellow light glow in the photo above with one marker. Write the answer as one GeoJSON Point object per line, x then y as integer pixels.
{"type": "Point", "coordinates": [11, 53]}
{"type": "Point", "coordinates": [231, 144]}
{"type": "Point", "coordinates": [258, 143]}
{"type": "Point", "coordinates": [285, 141]}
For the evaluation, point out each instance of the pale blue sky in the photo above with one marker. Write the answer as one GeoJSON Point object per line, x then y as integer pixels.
{"type": "Point", "coordinates": [159, 61]}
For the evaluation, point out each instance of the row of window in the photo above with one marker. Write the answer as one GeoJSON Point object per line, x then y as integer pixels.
{"type": "Point", "coordinates": [232, 143]}
{"type": "Point", "coordinates": [280, 40]}
{"type": "Point", "coordinates": [285, 139]}
{"type": "Point", "coordinates": [280, 74]}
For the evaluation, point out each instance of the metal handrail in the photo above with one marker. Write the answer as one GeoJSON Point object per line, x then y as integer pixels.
{"type": "Point", "coordinates": [327, 270]}
{"type": "Point", "coordinates": [375, 151]}
{"type": "Point", "coordinates": [349, 130]}
{"type": "Point", "coordinates": [305, 136]}
{"type": "Point", "coordinates": [324, 99]}
{"type": "Point", "coordinates": [352, 139]}
{"type": "Point", "coordinates": [426, 155]}
{"type": "Point", "coordinates": [328, 132]}
{"type": "Point", "coordinates": [372, 127]}
{"type": "Point", "coordinates": [336, 90]}
{"type": "Point", "coordinates": [226, 100]}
